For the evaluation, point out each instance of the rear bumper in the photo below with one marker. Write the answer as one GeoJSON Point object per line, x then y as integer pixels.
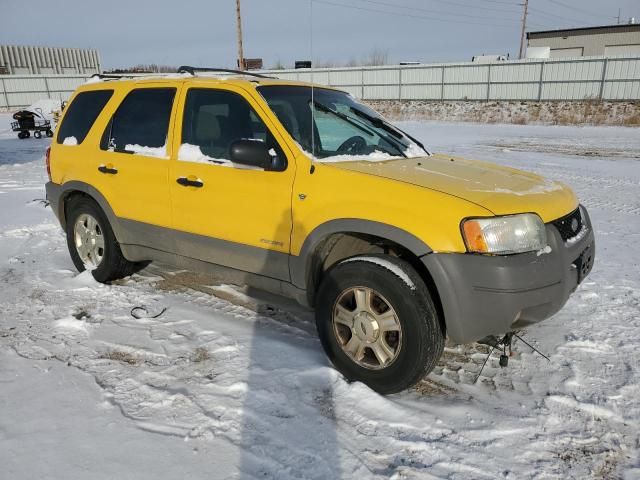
{"type": "Point", "coordinates": [491, 295]}
{"type": "Point", "coordinates": [54, 196]}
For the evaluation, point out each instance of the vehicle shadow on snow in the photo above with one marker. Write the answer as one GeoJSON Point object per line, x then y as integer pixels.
{"type": "Point", "coordinates": [289, 424]}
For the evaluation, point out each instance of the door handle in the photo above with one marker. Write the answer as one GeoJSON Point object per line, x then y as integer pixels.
{"type": "Point", "coordinates": [107, 169]}
{"type": "Point", "coordinates": [185, 182]}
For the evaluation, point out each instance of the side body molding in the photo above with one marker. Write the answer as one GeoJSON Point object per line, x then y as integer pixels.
{"type": "Point", "coordinates": [300, 266]}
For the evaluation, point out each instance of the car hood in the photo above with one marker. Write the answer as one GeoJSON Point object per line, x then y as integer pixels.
{"type": "Point", "coordinates": [502, 190]}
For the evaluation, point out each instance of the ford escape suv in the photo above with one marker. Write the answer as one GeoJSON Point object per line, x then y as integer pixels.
{"type": "Point", "coordinates": [302, 191]}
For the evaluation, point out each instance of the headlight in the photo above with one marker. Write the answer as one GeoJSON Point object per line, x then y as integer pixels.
{"type": "Point", "coordinates": [505, 235]}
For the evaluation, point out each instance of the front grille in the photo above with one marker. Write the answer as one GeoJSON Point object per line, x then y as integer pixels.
{"type": "Point", "coordinates": [570, 225]}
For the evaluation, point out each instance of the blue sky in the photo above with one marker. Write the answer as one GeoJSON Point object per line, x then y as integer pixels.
{"type": "Point", "coordinates": [202, 32]}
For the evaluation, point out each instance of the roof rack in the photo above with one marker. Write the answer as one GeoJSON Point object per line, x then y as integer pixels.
{"type": "Point", "coordinates": [116, 76]}
{"type": "Point", "coordinates": [194, 70]}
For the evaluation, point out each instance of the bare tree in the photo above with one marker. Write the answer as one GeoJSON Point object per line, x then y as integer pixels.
{"type": "Point", "coordinates": [376, 58]}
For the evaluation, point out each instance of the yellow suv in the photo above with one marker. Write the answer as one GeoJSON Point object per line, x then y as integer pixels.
{"type": "Point", "coordinates": [302, 191]}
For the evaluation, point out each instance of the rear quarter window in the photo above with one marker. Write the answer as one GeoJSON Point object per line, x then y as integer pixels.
{"type": "Point", "coordinates": [80, 115]}
{"type": "Point", "coordinates": [141, 122]}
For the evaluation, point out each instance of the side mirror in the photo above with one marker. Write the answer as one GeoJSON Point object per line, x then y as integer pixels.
{"type": "Point", "coordinates": [251, 152]}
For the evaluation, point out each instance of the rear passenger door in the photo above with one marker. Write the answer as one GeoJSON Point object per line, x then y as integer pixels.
{"type": "Point", "coordinates": [133, 159]}
{"type": "Point", "coordinates": [237, 216]}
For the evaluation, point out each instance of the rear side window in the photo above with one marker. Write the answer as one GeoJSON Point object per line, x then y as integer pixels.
{"type": "Point", "coordinates": [81, 114]}
{"type": "Point", "coordinates": [141, 123]}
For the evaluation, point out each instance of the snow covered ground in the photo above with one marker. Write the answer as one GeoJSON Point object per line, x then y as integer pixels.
{"type": "Point", "coordinates": [228, 385]}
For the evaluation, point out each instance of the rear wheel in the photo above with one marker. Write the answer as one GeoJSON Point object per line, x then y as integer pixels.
{"type": "Point", "coordinates": [49, 133]}
{"type": "Point", "coordinates": [37, 134]}
{"type": "Point", "coordinates": [92, 244]}
{"type": "Point", "coordinates": [377, 322]}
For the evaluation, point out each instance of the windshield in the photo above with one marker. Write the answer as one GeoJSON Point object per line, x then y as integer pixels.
{"type": "Point", "coordinates": [342, 128]}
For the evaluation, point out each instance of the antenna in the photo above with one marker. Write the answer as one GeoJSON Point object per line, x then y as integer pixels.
{"type": "Point", "coordinates": [313, 104]}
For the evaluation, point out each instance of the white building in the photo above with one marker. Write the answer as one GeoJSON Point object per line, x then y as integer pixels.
{"type": "Point", "coordinates": [21, 60]}
{"type": "Point", "coordinates": [608, 41]}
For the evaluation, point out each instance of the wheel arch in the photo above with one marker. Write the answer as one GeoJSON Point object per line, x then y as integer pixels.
{"type": "Point", "coordinates": [336, 240]}
{"type": "Point", "coordinates": [76, 188]}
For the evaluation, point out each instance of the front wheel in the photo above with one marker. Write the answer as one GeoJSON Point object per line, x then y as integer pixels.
{"type": "Point", "coordinates": [92, 244]}
{"type": "Point", "coordinates": [37, 134]}
{"type": "Point", "coordinates": [377, 322]}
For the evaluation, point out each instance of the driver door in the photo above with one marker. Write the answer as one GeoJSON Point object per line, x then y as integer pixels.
{"type": "Point", "coordinates": [225, 213]}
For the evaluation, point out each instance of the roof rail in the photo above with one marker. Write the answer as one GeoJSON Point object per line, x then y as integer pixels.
{"type": "Point", "coordinates": [116, 76]}
{"type": "Point", "coordinates": [194, 70]}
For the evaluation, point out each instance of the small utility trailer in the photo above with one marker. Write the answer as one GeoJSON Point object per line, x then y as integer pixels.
{"type": "Point", "coordinates": [27, 121]}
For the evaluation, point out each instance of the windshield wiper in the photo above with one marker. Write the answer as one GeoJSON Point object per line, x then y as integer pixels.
{"type": "Point", "coordinates": [360, 126]}
{"type": "Point", "coordinates": [392, 129]}
{"type": "Point", "coordinates": [378, 122]}
{"type": "Point", "coordinates": [387, 127]}
{"type": "Point", "coordinates": [346, 118]}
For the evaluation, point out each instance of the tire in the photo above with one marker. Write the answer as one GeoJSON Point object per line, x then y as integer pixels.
{"type": "Point", "coordinates": [420, 341]}
{"type": "Point", "coordinates": [112, 265]}
{"type": "Point", "coordinates": [49, 133]}
{"type": "Point", "coordinates": [27, 134]}
{"type": "Point", "coordinates": [21, 135]}
{"type": "Point", "coordinates": [37, 134]}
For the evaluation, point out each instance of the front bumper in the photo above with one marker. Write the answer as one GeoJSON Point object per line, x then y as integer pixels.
{"type": "Point", "coordinates": [490, 295]}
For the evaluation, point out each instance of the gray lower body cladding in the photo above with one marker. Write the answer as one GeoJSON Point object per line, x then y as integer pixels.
{"type": "Point", "coordinates": [490, 295]}
{"type": "Point", "coordinates": [480, 295]}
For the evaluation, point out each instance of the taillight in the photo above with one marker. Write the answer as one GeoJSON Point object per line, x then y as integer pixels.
{"type": "Point", "coordinates": [47, 157]}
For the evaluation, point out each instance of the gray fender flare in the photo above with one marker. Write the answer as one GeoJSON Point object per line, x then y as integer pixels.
{"type": "Point", "coordinates": [299, 267]}
{"type": "Point", "coordinates": [76, 186]}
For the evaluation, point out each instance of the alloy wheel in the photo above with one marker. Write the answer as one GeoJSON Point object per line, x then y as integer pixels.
{"type": "Point", "coordinates": [367, 328]}
{"type": "Point", "coordinates": [89, 241]}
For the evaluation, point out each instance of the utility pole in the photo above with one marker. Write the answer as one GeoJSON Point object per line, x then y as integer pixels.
{"type": "Point", "coordinates": [619, 12]}
{"type": "Point", "coordinates": [239, 28]}
{"type": "Point", "coordinates": [524, 27]}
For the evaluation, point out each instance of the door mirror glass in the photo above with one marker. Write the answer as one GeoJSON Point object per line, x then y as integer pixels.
{"type": "Point", "coordinates": [252, 153]}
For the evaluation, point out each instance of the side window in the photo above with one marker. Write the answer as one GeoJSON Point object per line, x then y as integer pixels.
{"type": "Point", "coordinates": [141, 123]}
{"type": "Point", "coordinates": [80, 116]}
{"type": "Point", "coordinates": [213, 120]}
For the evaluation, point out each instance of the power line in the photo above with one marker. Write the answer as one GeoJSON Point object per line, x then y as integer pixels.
{"type": "Point", "coordinates": [551, 15]}
{"type": "Point", "coordinates": [429, 10]}
{"type": "Point", "coordinates": [575, 9]}
{"type": "Point", "coordinates": [422, 17]}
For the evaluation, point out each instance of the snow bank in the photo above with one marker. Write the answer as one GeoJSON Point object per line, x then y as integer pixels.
{"type": "Point", "coordinates": [243, 384]}
{"type": "Point", "coordinates": [47, 106]}
{"type": "Point", "coordinates": [586, 112]}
